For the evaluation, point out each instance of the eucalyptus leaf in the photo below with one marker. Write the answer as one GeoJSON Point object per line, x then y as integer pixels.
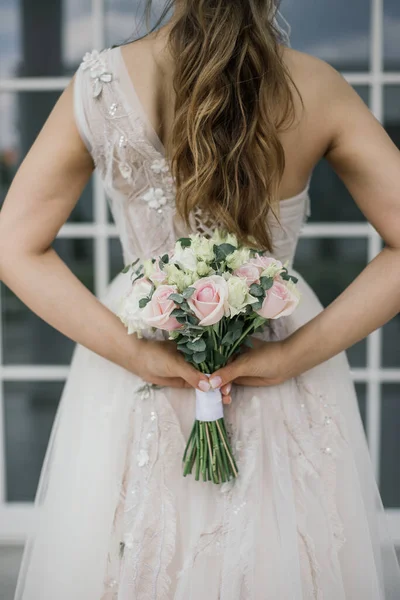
{"type": "Point", "coordinates": [199, 357]}
{"type": "Point", "coordinates": [177, 298]}
{"type": "Point", "coordinates": [188, 292]}
{"type": "Point", "coordinates": [185, 349]}
{"type": "Point", "coordinates": [192, 320]}
{"type": "Point", "coordinates": [177, 312]}
{"type": "Point", "coordinates": [267, 282]}
{"type": "Point", "coordinates": [256, 290]}
{"type": "Point", "coordinates": [197, 346]}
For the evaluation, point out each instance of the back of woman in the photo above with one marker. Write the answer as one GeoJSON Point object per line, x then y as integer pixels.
{"type": "Point", "coordinates": [208, 124]}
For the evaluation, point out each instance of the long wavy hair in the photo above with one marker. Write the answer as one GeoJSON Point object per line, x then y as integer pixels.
{"type": "Point", "coordinates": [234, 95]}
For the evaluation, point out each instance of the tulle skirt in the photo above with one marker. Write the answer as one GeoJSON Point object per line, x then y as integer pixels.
{"type": "Point", "coordinates": [116, 520]}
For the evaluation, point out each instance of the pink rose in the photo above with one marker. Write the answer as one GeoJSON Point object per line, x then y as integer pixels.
{"type": "Point", "coordinates": [210, 300]}
{"type": "Point", "coordinates": [249, 272]}
{"type": "Point", "coordinates": [157, 312]}
{"type": "Point", "coordinates": [279, 302]}
{"type": "Point", "coordinates": [263, 262]}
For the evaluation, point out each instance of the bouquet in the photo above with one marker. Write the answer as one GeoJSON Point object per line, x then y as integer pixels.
{"type": "Point", "coordinates": [210, 295]}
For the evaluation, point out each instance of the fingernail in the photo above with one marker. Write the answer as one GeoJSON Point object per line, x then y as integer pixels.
{"type": "Point", "coordinates": [204, 386]}
{"type": "Point", "coordinates": [228, 388]}
{"type": "Point", "coordinates": [215, 382]}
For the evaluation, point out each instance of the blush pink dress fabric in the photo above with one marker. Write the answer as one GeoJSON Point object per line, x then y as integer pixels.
{"type": "Point", "coordinates": [115, 518]}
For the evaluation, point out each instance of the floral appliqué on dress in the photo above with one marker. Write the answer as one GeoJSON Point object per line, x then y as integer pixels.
{"type": "Point", "coordinates": [98, 71]}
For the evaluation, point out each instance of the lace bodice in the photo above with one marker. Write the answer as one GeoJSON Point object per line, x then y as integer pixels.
{"type": "Point", "coordinates": [132, 162]}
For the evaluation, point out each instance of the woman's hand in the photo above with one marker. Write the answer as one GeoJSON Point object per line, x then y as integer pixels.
{"type": "Point", "coordinates": [160, 363]}
{"type": "Point", "coordinates": [263, 365]}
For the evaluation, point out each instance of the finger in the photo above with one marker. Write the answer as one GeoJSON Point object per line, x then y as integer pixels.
{"type": "Point", "coordinates": [226, 389]}
{"type": "Point", "coordinates": [230, 373]}
{"type": "Point", "coordinates": [226, 399]}
{"type": "Point", "coordinates": [193, 377]}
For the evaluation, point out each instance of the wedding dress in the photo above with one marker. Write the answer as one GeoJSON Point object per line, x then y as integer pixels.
{"type": "Point", "coordinates": [116, 518]}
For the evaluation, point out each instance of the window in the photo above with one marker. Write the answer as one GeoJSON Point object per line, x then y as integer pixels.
{"type": "Point", "coordinates": [41, 45]}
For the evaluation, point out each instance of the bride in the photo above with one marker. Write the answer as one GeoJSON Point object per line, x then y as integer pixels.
{"type": "Point", "coordinates": [209, 120]}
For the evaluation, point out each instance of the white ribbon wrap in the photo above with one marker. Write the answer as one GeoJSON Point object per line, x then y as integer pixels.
{"type": "Point", "coordinates": [209, 405]}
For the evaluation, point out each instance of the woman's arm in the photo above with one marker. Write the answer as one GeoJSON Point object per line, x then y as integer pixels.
{"type": "Point", "coordinates": [42, 196]}
{"type": "Point", "coordinates": [369, 164]}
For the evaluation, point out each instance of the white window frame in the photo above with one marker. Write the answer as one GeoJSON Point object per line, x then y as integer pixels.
{"type": "Point", "coordinates": [16, 519]}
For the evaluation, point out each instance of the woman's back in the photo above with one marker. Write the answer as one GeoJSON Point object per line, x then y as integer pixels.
{"type": "Point", "coordinates": [307, 140]}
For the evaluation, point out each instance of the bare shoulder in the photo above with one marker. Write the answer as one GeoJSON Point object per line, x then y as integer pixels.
{"type": "Point", "coordinates": [315, 77]}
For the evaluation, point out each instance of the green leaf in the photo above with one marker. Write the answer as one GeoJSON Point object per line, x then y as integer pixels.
{"type": "Point", "coordinates": [181, 320]}
{"type": "Point", "coordinates": [177, 312]}
{"type": "Point", "coordinates": [219, 359]}
{"type": "Point", "coordinates": [197, 346]}
{"type": "Point", "coordinates": [235, 326]}
{"type": "Point", "coordinates": [193, 320]}
{"type": "Point", "coordinates": [185, 242]}
{"type": "Point", "coordinates": [236, 335]}
{"type": "Point", "coordinates": [126, 269]}
{"type": "Point", "coordinates": [257, 305]}
{"type": "Point", "coordinates": [256, 290]}
{"type": "Point", "coordinates": [227, 339]}
{"type": "Point", "coordinates": [199, 357]}
{"type": "Point", "coordinates": [144, 302]}
{"type": "Point", "coordinates": [138, 277]}
{"type": "Point", "coordinates": [222, 251]}
{"type": "Point", "coordinates": [177, 298]}
{"type": "Point", "coordinates": [188, 292]}
{"type": "Point", "coordinates": [293, 278]}
{"type": "Point", "coordinates": [267, 282]}
{"type": "Point", "coordinates": [165, 259]}
{"type": "Point", "coordinates": [185, 349]}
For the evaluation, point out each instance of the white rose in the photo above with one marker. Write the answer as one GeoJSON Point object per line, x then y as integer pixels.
{"type": "Point", "coordinates": [185, 258]}
{"type": "Point", "coordinates": [130, 314]}
{"type": "Point", "coordinates": [221, 237]}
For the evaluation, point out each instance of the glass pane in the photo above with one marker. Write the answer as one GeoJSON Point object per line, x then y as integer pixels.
{"type": "Point", "coordinates": [26, 338]}
{"type": "Point", "coordinates": [361, 390]}
{"type": "Point", "coordinates": [330, 200]}
{"type": "Point", "coordinates": [392, 112]}
{"type": "Point", "coordinates": [115, 257]}
{"type": "Point", "coordinates": [390, 344]}
{"type": "Point", "coordinates": [390, 445]}
{"type": "Point", "coordinates": [329, 265]}
{"type": "Point", "coordinates": [338, 32]}
{"type": "Point", "coordinates": [124, 19]}
{"type": "Point", "coordinates": [22, 116]}
{"type": "Point", "coordinates": [391, 35]}
{"type": "Point", "coordinates": [46, 38]}
{"type": "Point", "coordinates": [29, 410]}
